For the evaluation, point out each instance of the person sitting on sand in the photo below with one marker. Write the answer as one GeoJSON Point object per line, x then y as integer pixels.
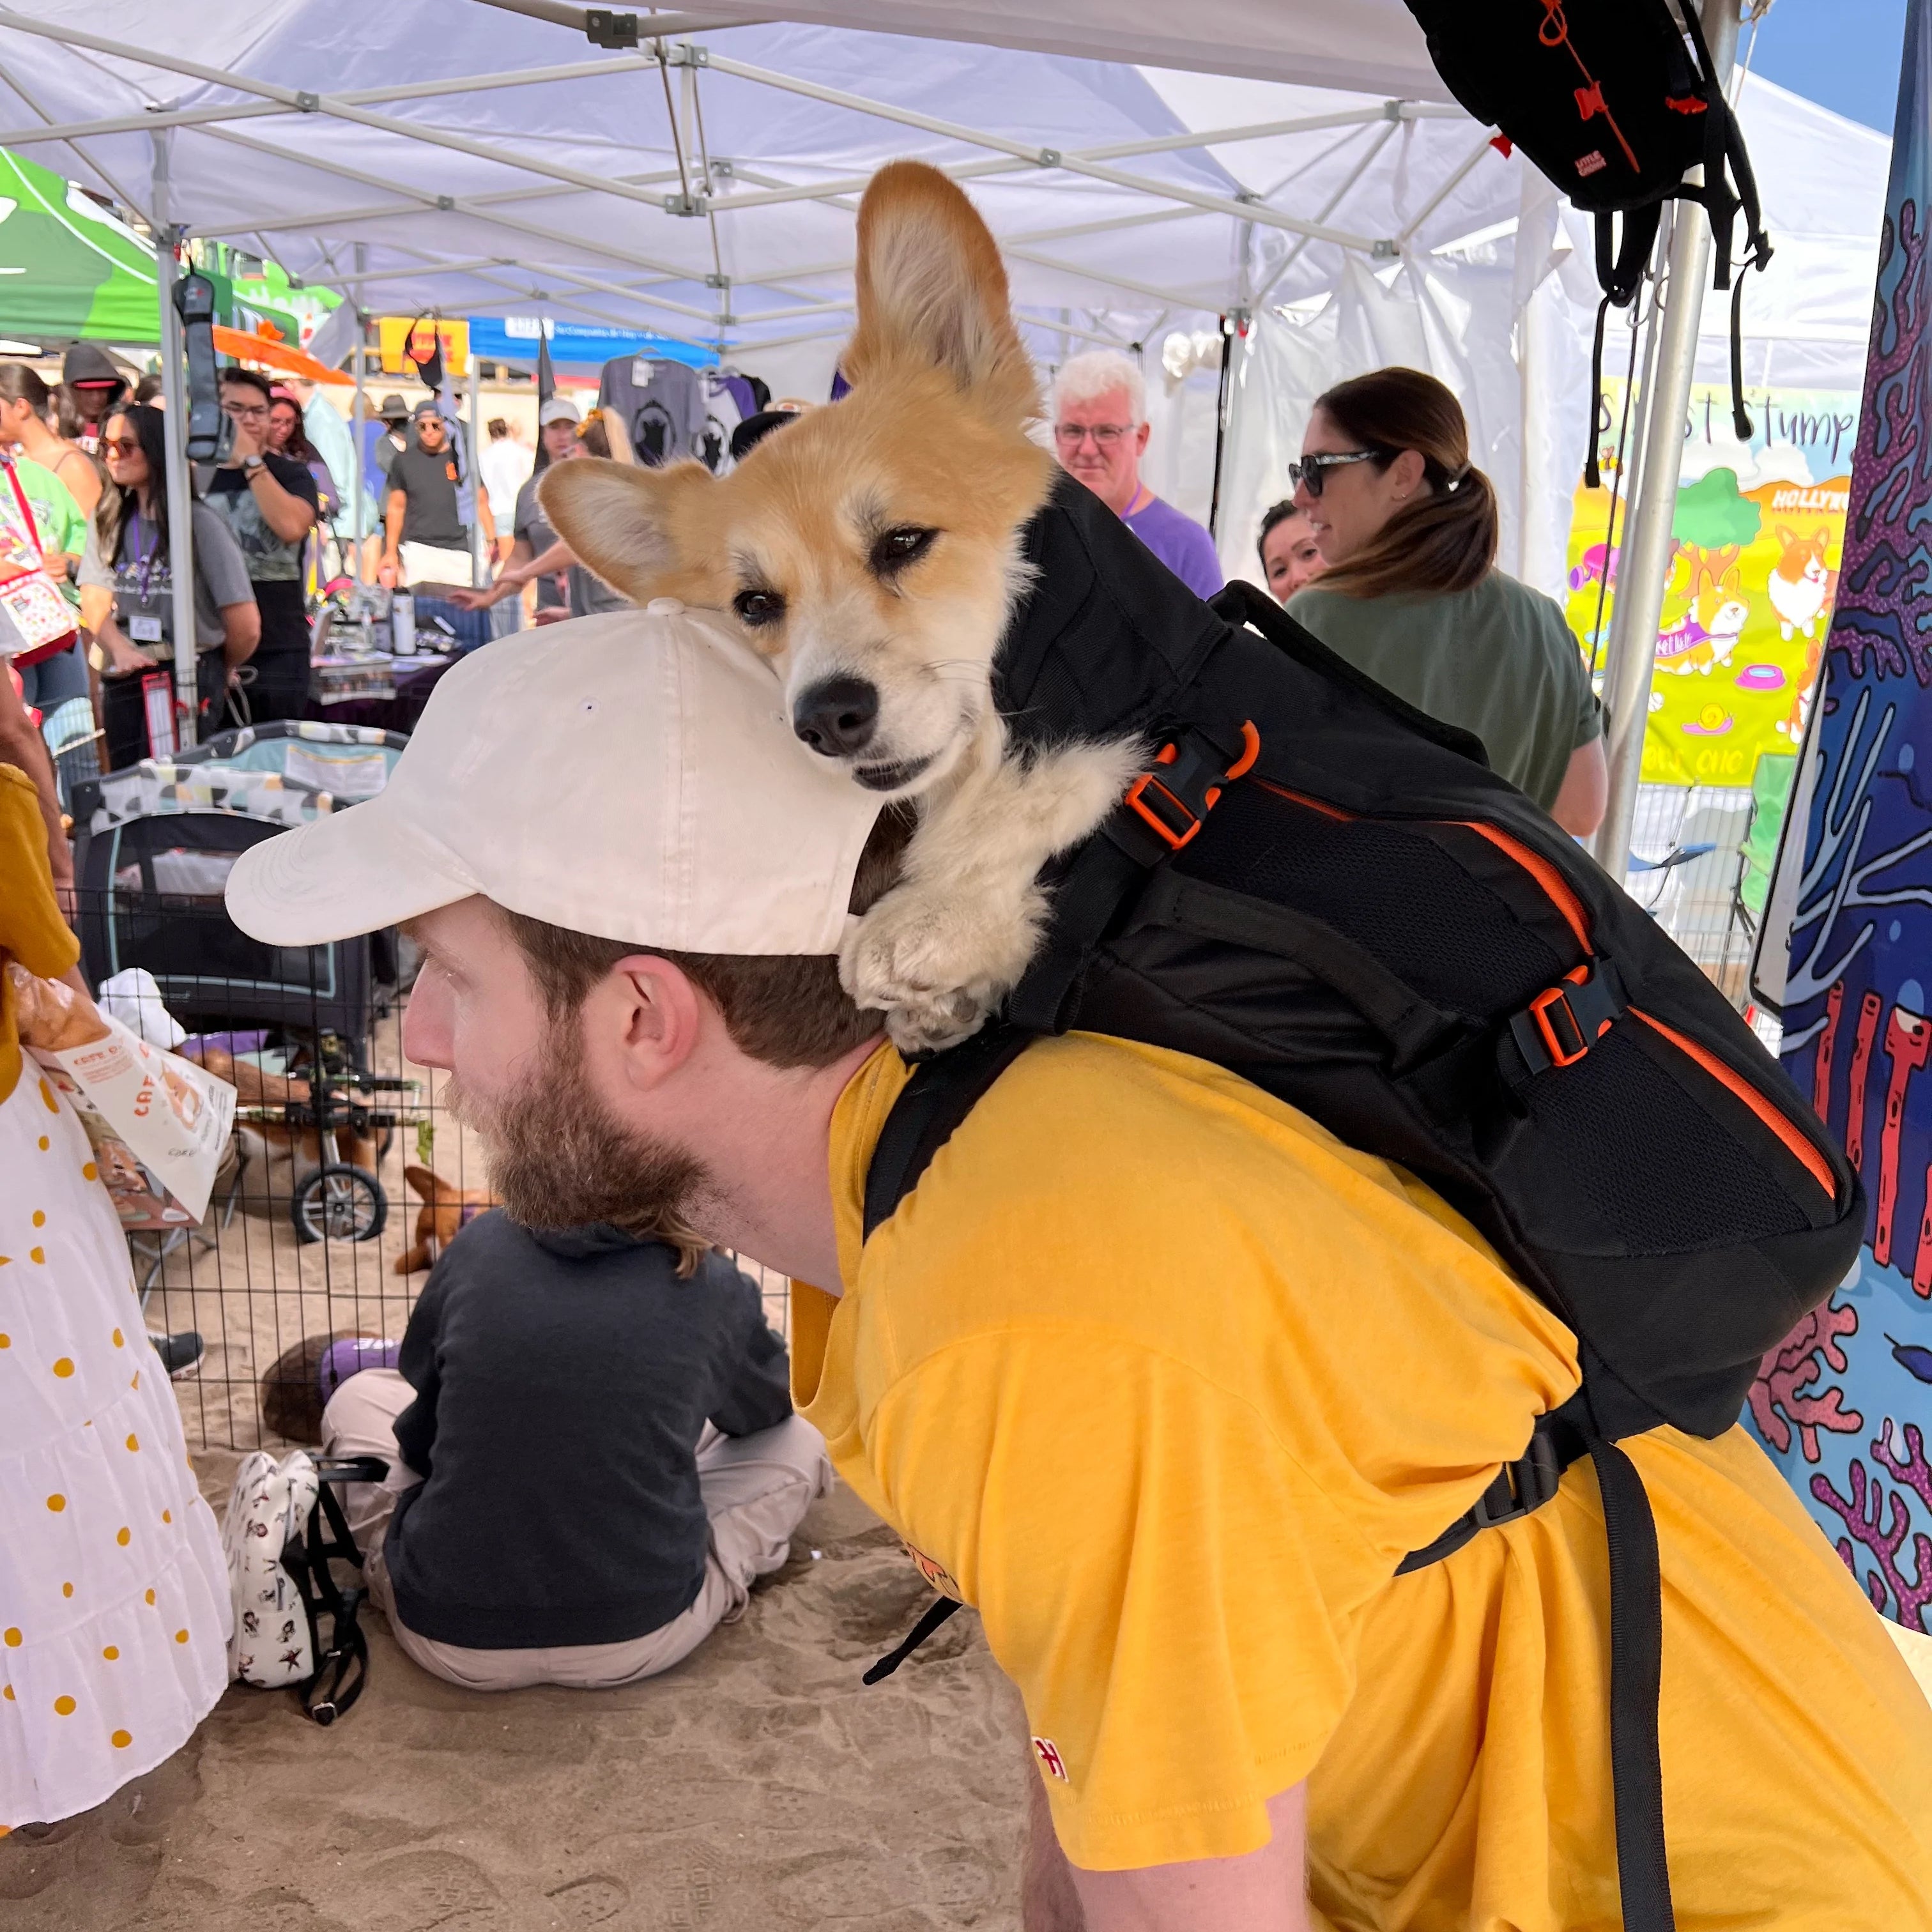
{"type": "Point", "coordinates": [591, 1445]}
{"type": "Point", "coordinates": [1151, 1369]}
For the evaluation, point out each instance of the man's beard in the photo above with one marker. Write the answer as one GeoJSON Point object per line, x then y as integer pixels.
{"type": "Point", "coordinates": [558, 1158]}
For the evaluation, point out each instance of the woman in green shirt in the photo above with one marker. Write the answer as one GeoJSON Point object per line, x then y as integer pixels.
{"type": "Point", "coordinates": [1411, 595]}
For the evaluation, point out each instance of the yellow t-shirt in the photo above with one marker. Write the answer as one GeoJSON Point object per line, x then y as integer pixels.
{"type": "Point", "coordinates": [1166, 1380]}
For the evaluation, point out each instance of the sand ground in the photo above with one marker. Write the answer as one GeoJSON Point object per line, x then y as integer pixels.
{"type": "Point", "coordinates": [758, 1787]}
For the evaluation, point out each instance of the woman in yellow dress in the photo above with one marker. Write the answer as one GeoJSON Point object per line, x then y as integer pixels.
{"type": "Point", "coordinates": [114, 1602]}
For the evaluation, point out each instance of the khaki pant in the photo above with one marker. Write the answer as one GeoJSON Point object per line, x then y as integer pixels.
{"type": "Point", "coordinates": [756, 1489]}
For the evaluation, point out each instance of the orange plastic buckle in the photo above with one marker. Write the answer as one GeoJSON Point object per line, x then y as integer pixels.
{"type": "Point", "coordinates": [1136, 802]}
{"type": "Point", "coordinates": [1175, 835]}
{"type": "Point", "coordinates": [1539, 1012]}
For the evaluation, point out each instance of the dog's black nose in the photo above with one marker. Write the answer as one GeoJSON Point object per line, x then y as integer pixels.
{"type": "Point", "coordinates": [837, 716]}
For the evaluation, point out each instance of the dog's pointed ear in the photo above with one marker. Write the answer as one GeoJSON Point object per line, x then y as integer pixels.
{"type": "Point", "coordinates": [932, 293]}
{"type": "Point", "coordinates": [428, 1185]}
{"type": "Point", "coordinates": [624, 522]}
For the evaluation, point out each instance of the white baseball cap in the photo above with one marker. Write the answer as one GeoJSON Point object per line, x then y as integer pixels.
{"type": "Point", "coordinates": [632, 775]}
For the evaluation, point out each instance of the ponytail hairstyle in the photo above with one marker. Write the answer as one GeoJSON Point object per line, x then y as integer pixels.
{"type": "Point", "coordinates": [20, 384]}
{"type": "Point", "coordinates": [1443, 540]}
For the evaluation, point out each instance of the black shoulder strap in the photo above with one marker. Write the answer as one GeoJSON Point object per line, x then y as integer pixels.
{"type": "Point", "coordinates": [1241, 602]}
{"type": "Point", "coordinates": [941, 1093]}
{"type": "Point", "coordinates": [1564, 1436]}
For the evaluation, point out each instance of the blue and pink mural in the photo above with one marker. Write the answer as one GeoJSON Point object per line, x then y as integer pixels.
{"type": "Point", "coordinates": [1845, 1403]}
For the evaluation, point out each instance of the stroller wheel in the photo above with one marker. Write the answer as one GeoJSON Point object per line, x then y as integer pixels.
{"type": "Point", "coordinates": [339, 1204]}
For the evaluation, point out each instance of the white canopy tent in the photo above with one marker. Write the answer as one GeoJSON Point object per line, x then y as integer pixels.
{"type": "Point", "coordinates": [484, 156]}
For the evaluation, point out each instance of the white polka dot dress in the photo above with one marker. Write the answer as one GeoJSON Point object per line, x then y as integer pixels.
{"type": "Point", "coordinates": [114, 1604]}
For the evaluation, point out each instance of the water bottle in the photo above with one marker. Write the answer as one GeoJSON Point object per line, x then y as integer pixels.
{"type": "Point", "coordinates": [403, 625]}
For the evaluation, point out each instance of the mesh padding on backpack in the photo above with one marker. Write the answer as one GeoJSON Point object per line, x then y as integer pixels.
{"type": "Point", "coordinates": [1394, 892]}
{"type": "Point", "coordinates": [1659, 1170]}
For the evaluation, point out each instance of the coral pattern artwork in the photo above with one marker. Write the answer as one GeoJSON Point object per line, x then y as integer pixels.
{"type": "Point", "coordinates": [1844, 1403]}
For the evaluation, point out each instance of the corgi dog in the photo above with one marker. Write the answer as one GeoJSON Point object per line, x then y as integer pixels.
{"type": "Point", "coordinates": [871, 551]}
{"type": "Point", "coordinates": [1800, 586]}
{"type": "Point", "coordinates": [1708, 632]}
{"type": "Point", "coordinates": [445, 1209]}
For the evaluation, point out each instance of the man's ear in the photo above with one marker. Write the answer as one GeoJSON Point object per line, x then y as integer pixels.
{"type": "Point", "coordinates": [633, 527]}
{"type": "Point", "coordinates": [932, 293]}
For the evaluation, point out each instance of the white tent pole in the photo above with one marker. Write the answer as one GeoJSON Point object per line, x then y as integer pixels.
{"type": "Point", "coordinates": [1041, 157]}
{"type": "Point", "coordinates": [1645, 563]}
{"type": "Point", "coordinates": [479, 569]}
{"type": "Point", "coordinates": [1448, 187]}
{"type": "Point", "coordinates": [14, 81]}
{"type": "Point", "coordinates": [174, 419]}
{"type": "Point", "coordinates": [338, 109]}
{"type": "Point", "coordinates": [1025, 321]}
{"type": "Point", "coordinates": [561, 13]}
{"type": "Point", "coordinates": [1106, 276]}
{"type": "Point", "coordinates": [393, 210]}
{"type": "Point", "coordinates": [359, 524]}
{"type": "Point", "coordinates": [460, 204]}
{"type": "Point", "coordinates": [1632, 455]}
{"type": "Point", "coordinates": [362, 97]}
{"type": "Point", "coordinates": [1334, 201]}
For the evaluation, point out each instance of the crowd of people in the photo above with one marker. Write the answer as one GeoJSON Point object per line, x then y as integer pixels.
{"type": "Point", "coordinates": [89, 452]}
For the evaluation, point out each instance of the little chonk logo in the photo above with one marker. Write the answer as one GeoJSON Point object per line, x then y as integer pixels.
{"type": "Point", "coordinates": [936, 1574]}
{"type": "Point", "coordinates": [1051, 1761]}
{"type": "Point", "coordinates": [1592, 164]}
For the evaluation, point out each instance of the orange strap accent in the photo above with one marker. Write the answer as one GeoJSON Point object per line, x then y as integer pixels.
{"type": "Point", "coordinates": [1545, 875]}
{"type": "Point", "coordinates": [1796, 1141]}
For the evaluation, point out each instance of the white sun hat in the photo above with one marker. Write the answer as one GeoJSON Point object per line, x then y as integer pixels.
{"type": "Point", "coordinates": [632, 775]}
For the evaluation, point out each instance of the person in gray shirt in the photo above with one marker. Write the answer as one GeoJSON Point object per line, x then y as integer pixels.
{"type": "Point", "coordinates": [565, 589]}
{"type": "Point", "coordinates": [127, 591]}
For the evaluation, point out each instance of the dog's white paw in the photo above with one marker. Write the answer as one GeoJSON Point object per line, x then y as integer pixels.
{"type": "Point", "coordinates": [937, 965]}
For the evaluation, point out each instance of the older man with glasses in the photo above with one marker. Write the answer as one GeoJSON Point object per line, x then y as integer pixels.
{"type": "Point", "coordinates": [1099, 433]}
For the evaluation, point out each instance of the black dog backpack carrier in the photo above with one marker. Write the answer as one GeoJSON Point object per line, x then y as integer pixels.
{"type": "Point", "coordinates": [1607, 99]}
{"type": "Point", "coordinates": [1329, 893]}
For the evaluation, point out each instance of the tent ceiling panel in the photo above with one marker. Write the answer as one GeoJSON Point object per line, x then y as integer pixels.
{"type": "Point", "coordinates": [465, 157]}
{"type": "Point", "coordinates": [479, 158]}
{"type": "Point", "coordinates": [1373, 45]}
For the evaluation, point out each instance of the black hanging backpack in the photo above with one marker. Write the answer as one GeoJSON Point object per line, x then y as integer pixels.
{"type": "Point", "coordinates": [1614, 101]}
{"type": "Point", "coordinates": [1325, 891]}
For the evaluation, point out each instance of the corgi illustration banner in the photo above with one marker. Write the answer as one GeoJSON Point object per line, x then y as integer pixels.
{"type": "Point", "coordinates": [1845, 1404]}
{"type": "Point", "coordinates": [1758, 528]}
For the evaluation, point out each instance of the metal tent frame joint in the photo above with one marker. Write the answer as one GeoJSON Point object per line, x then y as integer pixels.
{"type": "Point", "coordinates": [602, 27]}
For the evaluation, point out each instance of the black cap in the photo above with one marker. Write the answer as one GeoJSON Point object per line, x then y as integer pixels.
{"type": "Point", "coordinates": [754, 429]}
{"type": "Point", "coordinates": [88, 365]}
{"type": "Point", "coordinates": [428, 407]}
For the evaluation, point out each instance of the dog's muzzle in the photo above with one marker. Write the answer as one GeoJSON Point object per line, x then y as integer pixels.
{"type": "Point", "coordinates": [837, 716]}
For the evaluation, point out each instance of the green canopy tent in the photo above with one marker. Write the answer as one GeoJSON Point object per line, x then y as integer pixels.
{"type": "Point", "coordinates": [68, 267]}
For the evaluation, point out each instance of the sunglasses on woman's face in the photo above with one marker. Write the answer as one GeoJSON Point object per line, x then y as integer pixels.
{"type": "Point", "coordinates": [1308, 472]}
{"type": "Point", "coordinates": [120, 445]}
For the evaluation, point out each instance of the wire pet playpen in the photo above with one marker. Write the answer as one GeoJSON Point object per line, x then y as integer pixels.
{"type": "Point", "coordinates": [345, 1171]}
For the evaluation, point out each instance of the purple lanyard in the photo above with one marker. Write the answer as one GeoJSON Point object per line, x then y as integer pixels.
{"type": "Point", "coordinates": [145, 558]}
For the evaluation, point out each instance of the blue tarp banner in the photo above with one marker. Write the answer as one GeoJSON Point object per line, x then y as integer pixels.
{"type": "Point", "coordinates": [513, 338]}
{"type": "Point", "coordinates": [1845, 1404]}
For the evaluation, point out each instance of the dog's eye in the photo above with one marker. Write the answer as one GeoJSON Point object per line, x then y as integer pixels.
{"type": "Point", "coordinates": [758, 608]}
{"type": "Point", "coordinates": [897, 548]}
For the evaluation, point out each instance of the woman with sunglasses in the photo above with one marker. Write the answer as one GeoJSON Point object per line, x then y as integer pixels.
{"type": "Point", "coordinates": [127, 598]}
{"type": "Point", "coordinates": [1411, 595]}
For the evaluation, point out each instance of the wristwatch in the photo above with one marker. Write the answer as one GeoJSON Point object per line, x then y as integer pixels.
{"type": "Point", "coordinates": [250, 464]}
